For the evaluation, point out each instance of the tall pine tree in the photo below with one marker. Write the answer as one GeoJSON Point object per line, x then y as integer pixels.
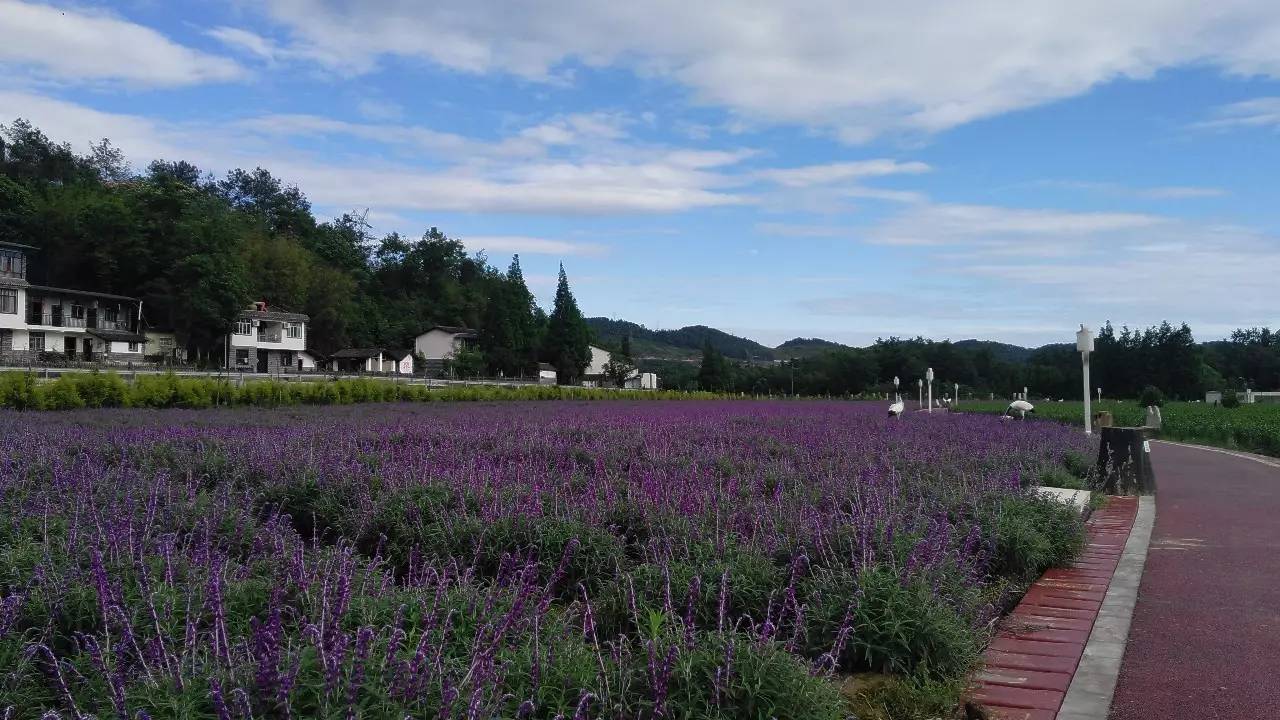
{"type": "Point", "coordinates": [509, 324]}
{"type": "Point", "coordinates": [568, 340]}
{"type": "Point", "coordinates": [713, 373]}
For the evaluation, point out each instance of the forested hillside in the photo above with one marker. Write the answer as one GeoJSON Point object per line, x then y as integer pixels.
{"type": "Point", "coordinates": [682, 344]}
{"type": "Point", "coordinates": [196, 249]}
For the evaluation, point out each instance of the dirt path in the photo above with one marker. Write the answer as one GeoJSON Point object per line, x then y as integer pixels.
{"type": "Point", "coordinates": [1205, 638]}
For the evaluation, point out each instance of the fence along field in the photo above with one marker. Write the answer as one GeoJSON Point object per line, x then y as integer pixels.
{"type": "Point", "coordinates": [559, 559]}
{"type": "Point", "coordinates": [1253, 427]}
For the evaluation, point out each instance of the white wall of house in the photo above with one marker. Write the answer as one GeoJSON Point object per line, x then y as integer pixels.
{"type": "Point", "coordinates": [307, 360]}
{"type": "Point", "coordinates": [123, 348]}
{"type": "Point", "coordinates": [404, 366]}
{"type": "Point", "coordinates": [17, 339]}
{"type": "Point", "coordinates": [437, 344]}
{"type": "Point", "coordinates": [264, 335]}
{"type": "Point", "coordinates": [599, 356]}
{"type": "Point", "coordinates": [14, 309]}
{"type": "Point", "coordinates": [642, 381]}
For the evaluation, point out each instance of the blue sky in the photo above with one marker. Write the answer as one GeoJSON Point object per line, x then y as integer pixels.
{"type": "Point", "coordinates": [823, 168]}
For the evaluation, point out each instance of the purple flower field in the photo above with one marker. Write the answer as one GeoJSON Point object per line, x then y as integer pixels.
{"type": "Point", "coordinates": [516, 560]}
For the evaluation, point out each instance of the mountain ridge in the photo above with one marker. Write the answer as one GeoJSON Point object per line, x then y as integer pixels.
{"type": "Point", "coordinates": [686, 343]}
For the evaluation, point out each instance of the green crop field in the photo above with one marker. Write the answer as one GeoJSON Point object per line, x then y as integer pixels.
{"type": "Point", "coordinates": [1255, 428]}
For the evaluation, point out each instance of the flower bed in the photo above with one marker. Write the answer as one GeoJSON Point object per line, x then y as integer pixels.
{"type": "Point", "coordinates": [693, 559]}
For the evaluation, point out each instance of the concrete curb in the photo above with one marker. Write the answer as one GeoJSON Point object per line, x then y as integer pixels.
{"type": "Point", "coordinates": [1094, 683]}
{"type": "Point", "coordinates": [1032, 660]}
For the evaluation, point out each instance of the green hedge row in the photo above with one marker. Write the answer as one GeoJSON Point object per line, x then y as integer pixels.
{"type": "Point", "coordinates": [21, 391]}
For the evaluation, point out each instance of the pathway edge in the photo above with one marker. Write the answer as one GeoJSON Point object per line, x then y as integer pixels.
{"type": "Point", "coordinates": [1261, 459]}
{"type": "Point", "coordinates": [1093, 686]}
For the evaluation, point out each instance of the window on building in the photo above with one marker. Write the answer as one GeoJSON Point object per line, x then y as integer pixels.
{"type": "Point", "coordinates": [77, 311]}
{"type": "Point", "coordinates": [133, 347]}
{"type": "Point", "coordinates": [110, 315]}
{"type": "Point", "coordinates": [9, 301]}
{"type": "Point", "coordinates": [244, 327]}
{"type": "Point", "coordinates": [166, 343]}
{"type": "Point", "coordinates": [242, 357]}
{"type": "Point", "coordinates": [35, 341]}
{"type": "Point", "coordinates": [295, 329]}
{"type": "Point", "coordinates": [6, 341]}
{"type": "Point", "coordinates": [13, 264]}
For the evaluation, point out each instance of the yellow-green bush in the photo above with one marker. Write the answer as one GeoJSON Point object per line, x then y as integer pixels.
{"type": "Point", "coordinates": [22, 391]}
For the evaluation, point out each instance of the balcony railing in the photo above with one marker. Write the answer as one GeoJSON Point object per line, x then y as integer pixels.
{"type": "Point", "coordinates": [271, 337]}
{"type": "Point", "coordinates": [55, 320]}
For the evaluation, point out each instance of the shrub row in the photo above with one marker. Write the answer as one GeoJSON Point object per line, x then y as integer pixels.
{"type": "Point", "coordinates": [22, 391]}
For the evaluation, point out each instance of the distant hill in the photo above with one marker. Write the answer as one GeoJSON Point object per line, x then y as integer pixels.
{"type": "Point", "coordinates": [805, 347]}
{"type": "Point", "coordinates": [1005, 352]}
{"type": "Point", "coordinates": [683, 344]}
{"type": "Point", "coordinates": [686, 343]}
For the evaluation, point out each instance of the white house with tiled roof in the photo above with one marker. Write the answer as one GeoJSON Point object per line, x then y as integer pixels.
{"type": "Point", "coordinates": [268, 341]}
{"type": "Point", "coordinates": [40, 321]}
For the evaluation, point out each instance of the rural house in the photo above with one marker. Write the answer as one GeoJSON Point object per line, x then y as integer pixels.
{"type": "Point", "coordinates": [442, 343]}
{"type": "Point", "coordinates": [39, 321]}
{"type": "Point", "coordinates": [397, 361]}
{"type": "Point", "coordinates": [268, 341]}
{"type": "Point", "coordinates": [356, 360]}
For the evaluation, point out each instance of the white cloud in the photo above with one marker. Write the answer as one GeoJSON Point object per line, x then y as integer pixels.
{"type": "Point", "coordinates": [72, 45]}
{"type": "Point", "coordinates": [1263, 112]}
{"type": "Point", "coordinates": [655, 180]}
{"type": "Point", "coordinates": [857, 68]}
{"type": "Point", "coordinates": [829, 173]}
{"type": "Point", "coordinates": [802, 230]}
{"type": "Point", "coordinates": [1053, 266]}
{"type": "Point", "coordinates": [1164, 192]}
{"type": "Point", "coordinates": [1029, 231]}
{"type": "Point", "coordinates": [531, 245]}
{"type": "Point", "coordinates": [380, 110]}
{"type": "Point", "coordinates": [248, 42]}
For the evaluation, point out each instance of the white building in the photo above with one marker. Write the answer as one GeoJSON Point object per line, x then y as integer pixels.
{"type": "Point", "coordinates": [367, 360]}
{"type": "Point", "coordinates": [39, 321]}
{"type": "Point", "coordinates": [546, 374]}
{"type": "Point", "coordinates": [593, 376]}
{"type": "Point", "coordinates": [397, 361]}
{"type": "Point", "coordinates": [306, 360]}
{"type": "Point", "coordinates": [443, 342]}
{"type": "Point", "coordinates": [599, 358]}
{"type": "Point", "coordinates": [642, 381]}
{"type": "Point", "coordinates": [266, 341]}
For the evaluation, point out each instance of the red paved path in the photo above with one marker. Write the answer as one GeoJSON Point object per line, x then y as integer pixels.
{"type": "Point", "coordinates": [1205, 638]}
{"type": "Point", "coordinates": [1030, 663]}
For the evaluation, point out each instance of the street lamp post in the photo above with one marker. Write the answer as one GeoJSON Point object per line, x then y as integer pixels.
{"type": "Point", "coordinates": [920, 388]}
{"type": "Point", "coordinates": [1084, 343]}
{"type": "Point", "coordinates": [928, 375]}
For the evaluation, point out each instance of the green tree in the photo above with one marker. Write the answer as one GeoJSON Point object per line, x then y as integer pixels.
{"type": "Point", "coordinates": [568, 339]}
{"type": "Point", "coordinates": [713, 373]}
{"type": "Point", "coordinates": [468, 363]}
{"type": "Point", "coordinates": [16, 210]}
{"type": "Point", "coordinates": [508, 328]}
{"type": "Point", "coordinates": [212, 277]}
{"type": "Point", "coordinates": [619, 368]}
